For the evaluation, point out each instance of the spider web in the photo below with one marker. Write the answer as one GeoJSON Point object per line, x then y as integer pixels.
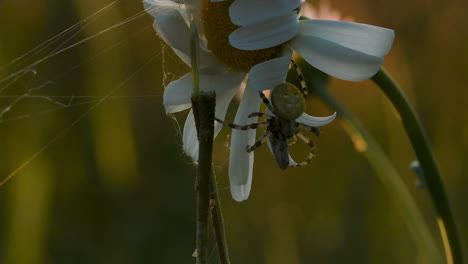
{"type": "Point", "coordinates": [22, 80]}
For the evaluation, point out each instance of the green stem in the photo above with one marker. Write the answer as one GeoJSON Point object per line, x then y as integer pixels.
{"type": "Point", "coordinates": [218, 222]}
{"type": "Point", "coordinates": [204, 107]}
{"type": "Point", "coordinates": [203, 104]}
{"type": "Point", "coordinates": [194, 56]}
{"type": "Point", "coordinates": [389, 176]}
{"type": "Point", "coordinates": [422, 148]}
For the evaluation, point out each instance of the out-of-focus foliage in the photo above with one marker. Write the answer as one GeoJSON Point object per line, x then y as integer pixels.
{"type": "Point", "coordinates": [115, 187]}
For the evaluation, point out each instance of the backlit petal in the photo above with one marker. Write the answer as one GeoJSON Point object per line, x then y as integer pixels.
{"type": "Point", "coordinates": [173, 29]}
{"type": "Point", "coordinates": [266, 34]}
{"type": "Point", "coordinates": [177, 94]}
{"type": "Point", "coordinates": [193, 8]}
{"type": "Point", "coordinates": [365, 38]}
{"type": "Point", "coordinates": [241, 161]}
{"type": "Point", "coordinates": [189, 137]}
{"type": "Point", "coordinates": [156, 7]}
{"type": "Point", "coordinates": [206, 58]}
{"type": "Point", "coordinates": [315, 121]}
{"type": "Point", "coordinates": [248, 12]}
{"type": "Point", "coordinates": [336, 60]}
{"type": "Point", "coordinates": [268, 74]}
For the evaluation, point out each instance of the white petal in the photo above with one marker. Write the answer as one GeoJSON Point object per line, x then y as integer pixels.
{"type": "Point", "coordinates": [173, 29]}
{"type": "Point", "coordinates": [268, 74]}
{"type": "Point", "coordinates": [222, 104]}
{"type": "Point", "coordinates": [189, 138]}
{"type": "Point", "coordinates": [156, 7]}
{"type": "Point", "coordinates": [177, 94]}
{"type": "Point", "coordinates": [336, 60]}
{"type": "Point", "coordinates": [365, 38]}
{"type": "Point", "coordinates": [266, 34]}
{"type": "Point", "coordinates": [291, 161]}
{"type": "Point", "coordinates": [247, 12]}
{"type": "Point", "coordinates": [221, 82]}
{"type": "Point", "coordinates": [193, 8]}
{"type": "Point", "coordinates": [315, 121]}
{"type": "Point", "coordinates": [240, 161]}
{"type": "Point", "coordinates": [206, 59]}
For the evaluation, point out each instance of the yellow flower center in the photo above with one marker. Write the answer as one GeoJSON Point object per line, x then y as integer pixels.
{"type": "Point", "coordinates": [218, 26]}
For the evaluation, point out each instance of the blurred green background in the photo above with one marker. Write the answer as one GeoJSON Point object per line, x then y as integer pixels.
{"type": "Point", "coordinates": [108, 182]}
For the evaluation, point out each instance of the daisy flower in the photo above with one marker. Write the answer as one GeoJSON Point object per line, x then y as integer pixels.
{"type": "Point", "coordinates": [257, 38]}
{"type": "Point", "coordinates": [171, 23]}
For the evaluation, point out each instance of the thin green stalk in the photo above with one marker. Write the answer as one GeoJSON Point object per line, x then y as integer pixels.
{"type": "Point", "coordinates": [204, 105]}
{"type": "Point", "coordinates": [218, 222]}
{"type": "Point", "coordinates": [367, 145]}
{"type": "Point", "coordinates": [422, 148]}
{"type": "Point", "coordinates": [194, 56]}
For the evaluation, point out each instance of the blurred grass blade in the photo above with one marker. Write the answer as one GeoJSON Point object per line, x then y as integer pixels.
{"type": "Point", "coordinates": [368, 146]}
{"type": "Point", "coordinates": [432, 176]}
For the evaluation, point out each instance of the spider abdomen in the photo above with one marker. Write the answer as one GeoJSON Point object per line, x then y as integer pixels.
{"type": "Point", "coordinates": [287, 101]}
{"type": "Point", "coordinates": [279, 148]}
{"type": "Point", "coordinates": [281, 130]}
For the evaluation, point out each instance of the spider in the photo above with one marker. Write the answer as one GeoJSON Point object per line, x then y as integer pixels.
{"type": "Point", "coordinates": [287, 104]}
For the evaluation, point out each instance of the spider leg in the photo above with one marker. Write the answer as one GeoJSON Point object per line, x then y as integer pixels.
{"type": "Point", "coordinates": [266, 101]}
{"type": "Point", "coordinates": [244, 127]}
{"type": "Point", "coordinates": [259, 142]}
{"type": "Point", "coordinates": [312, 129]}
{"type": "Point", "coordinates": [304, 89]}
{"type": "Point", "coordinates": [259, 114]}
{"type": "Point", "coordinates": [294, 141]}
{"type": "Point", "coordinates": [311, 144]}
